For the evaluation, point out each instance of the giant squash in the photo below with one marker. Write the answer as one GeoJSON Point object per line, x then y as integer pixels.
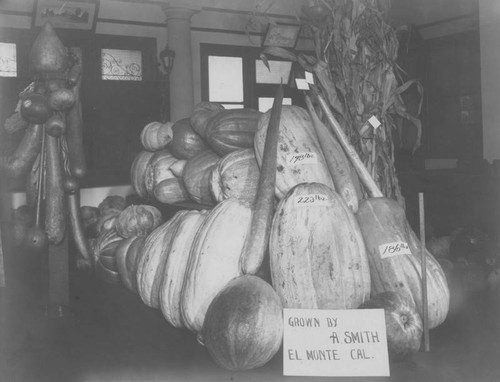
{"type": "Point", "coordinates": [186, 142]}
{"type": "Point", "coordinates": [231, 130]}
{"type": "Point", "coordinates": [214, 259]}
{"type": "Point", "coordinates": [235, 176]}
{"type": "Point", "coordinates": [196, 176]}
{"type": "Point", "coordinates": [300, 158]}
{"type": "Point", "coordinates": [203, 112]}
{"type": "Point", "coordinates": [395, 260]}
{"type": "Point", "coordinates": [175, 267]}
{"type": "Point", "coordinates": [317, 255]}
{"type": "Point", "coordinates": [152, 260]}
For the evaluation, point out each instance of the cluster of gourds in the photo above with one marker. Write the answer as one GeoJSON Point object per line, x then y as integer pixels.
{"type": "Point", "coordinates": [50, 154]}
{"type": "Point", "coordinates": [205, 267]}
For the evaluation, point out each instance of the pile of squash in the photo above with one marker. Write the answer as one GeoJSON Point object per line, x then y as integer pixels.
{"type": "Point", "coordinates": [189, 161]}
{"type": "Point", "coordinates": [200, 267]}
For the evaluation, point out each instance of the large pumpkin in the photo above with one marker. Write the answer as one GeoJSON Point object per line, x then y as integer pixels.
{"type": "Point", "coordinates": [152, 260]}
{"type": "Point", "coordinates": [202, 113]}
{"type": "Point", "coordinates": [138, 220]}
{"type": "Point", "coordinates": [156, 135]}
{"type": "Point", "coordinates": [171, 191]}
{"type": "Point", "coordinates": [243, 327]}
{"type": "Point", "coordinates": [300, 158]}
{"type": "Point", "coordinates": [231, 130]}
{"type": "Point", "coordinates": [317, 255]}
{"type": "Point", "coordinates": [175, 267]}
{"type": "Point", "coordinates": [138, 173]}
{"type": "Point", "coordinates": [214, 259]}
{"type": "Point", "coordinates": [196, 176]}
{"type": "Point", "coordinates": [186, 142]}
{"type": "Point", "coordinates": [235, 176]}
{"type": "Point", "coordinates": [395, 258]}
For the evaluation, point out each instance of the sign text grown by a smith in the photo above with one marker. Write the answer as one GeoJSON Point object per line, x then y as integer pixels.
{"type": "Point", "coordinates": [335, 343]}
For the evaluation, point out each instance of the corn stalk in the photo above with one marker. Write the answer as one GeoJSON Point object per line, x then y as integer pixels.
{"type": "Point", "coordinates": [355, 68]}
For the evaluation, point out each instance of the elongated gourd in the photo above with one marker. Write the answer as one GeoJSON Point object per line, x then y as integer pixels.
{"type": "Point", "coordinates": [153, 258]}
{"type": "Point", "coordinates": [395, 259]}
{"type": "Point", "coordinates": [317, 255]}
{"type": "Point", "coordinates": [214, 259]}
{"type": "Point", "coordinates": [175, 267]}
{"type": "Point", "coordinates": [345, 180]}
{"type": "Point", "coordinates": [300, 159]}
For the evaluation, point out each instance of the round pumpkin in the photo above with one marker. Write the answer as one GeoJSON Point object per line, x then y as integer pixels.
{"type": "Point", "coordinates": [230, 130]}
{"type": "Point", "coordinates": [138, 172]}
{"type": "Point", "coordinates": [185, 143]}
{"type": "Point", "coordinates": [156, 135]}
{"type": "Point", "coordinates": [138, 220]}
{"type": "Point", "coordinates": [202, 114]}
{"type": "Point", "coordinates": [243, 327]}
{"type": "Point", "coordinates": [196, 176]}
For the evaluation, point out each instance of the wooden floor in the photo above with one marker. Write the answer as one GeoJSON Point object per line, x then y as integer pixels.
{"type": "Point", "coordinates": [111, 335]}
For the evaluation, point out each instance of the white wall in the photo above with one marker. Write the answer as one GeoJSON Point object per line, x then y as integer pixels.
{"type": "Point", "coordinates": [489, 18]}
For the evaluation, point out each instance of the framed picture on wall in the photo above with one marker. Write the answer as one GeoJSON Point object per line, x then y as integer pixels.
{"type": "Point", "coordinates": [75, 14]}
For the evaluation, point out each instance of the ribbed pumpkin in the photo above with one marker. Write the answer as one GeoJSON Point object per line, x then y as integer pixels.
{"type": "Point", "coordinates": [297, 140]}
{"type": "Point", "coordinates": [105, 238]}
{"type": "Point", "coordinates": [196, 176]}
{"type": "Point", "coordinates": [185, 142]}
{"type": "Point", "coordinates": [243, 327]}
{"type": "Point", "coordinates": [121, 262]}
{"type": "Point", "coordinates": [158, 169]}
{"type": "Point", "coordinates": [202, 114]}
{"type": "Point", "coordinates": [156, 135]}
{"type": "Point", "coordinates": [153, 258]}
{"type": "Point", "coordinates": [382, 222]}
{"type": "Point", "coordinates": [138, 173]}
{"type": "Point", "coordinates": [235, 176]}
{"type": "Point", "coordinates": [231, 130]}
{"type": "Point", "coordinates": [175, 267]}
{"type": "Point", "coordinates": [138, 220]}
{"type": "Point", "coordinates": [214, 259]}
{"type": "Point", "coordinates": [317, 255]}
{"type": "Point", "coordinates": [171, 191]}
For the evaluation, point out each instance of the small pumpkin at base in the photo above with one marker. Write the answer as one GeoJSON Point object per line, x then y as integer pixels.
{"type": "Point", "coordinates": [404, 326]}
{"type": "Point", "coordinates": [243, 327]}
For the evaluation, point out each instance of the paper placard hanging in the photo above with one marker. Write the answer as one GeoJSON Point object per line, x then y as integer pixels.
{"type": "Point", "coordinates": [309, 78]}
{"type": "Point", "coordinates": [302, 84]}
{"type": "Point", "coordinates": [374, 122]}
{"type": "Point", "coordinates": [335, 343]}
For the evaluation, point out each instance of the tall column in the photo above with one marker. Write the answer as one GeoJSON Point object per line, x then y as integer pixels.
{"type": "Point", "coordinates": [489, 31]}
{"type": "Point", "coordinates": [179, 40]}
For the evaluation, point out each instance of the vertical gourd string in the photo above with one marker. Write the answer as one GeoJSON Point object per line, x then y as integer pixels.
{"type": "Point", "coordinates": [41, 167]}
{"type": "Point", "coordinates": [425, 308]}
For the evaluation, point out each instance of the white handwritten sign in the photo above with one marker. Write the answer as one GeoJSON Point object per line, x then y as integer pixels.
{"type": "Point", "coordinates": [394, 249]}
{"type": "Point", "coordinates": [335, 342]}
{"type": "Point", "coordinates": [312, 200]}
{"type": "Point", "coordinates": [302, 158]}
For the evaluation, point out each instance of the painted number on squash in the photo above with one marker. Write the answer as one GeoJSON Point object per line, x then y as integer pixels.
{"type": "Point", "coordinates": [302, 158]}
{"type": "Point", "coordinates": [394, 249]}
{"type": "Point", "coordinates": [311, 200]}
